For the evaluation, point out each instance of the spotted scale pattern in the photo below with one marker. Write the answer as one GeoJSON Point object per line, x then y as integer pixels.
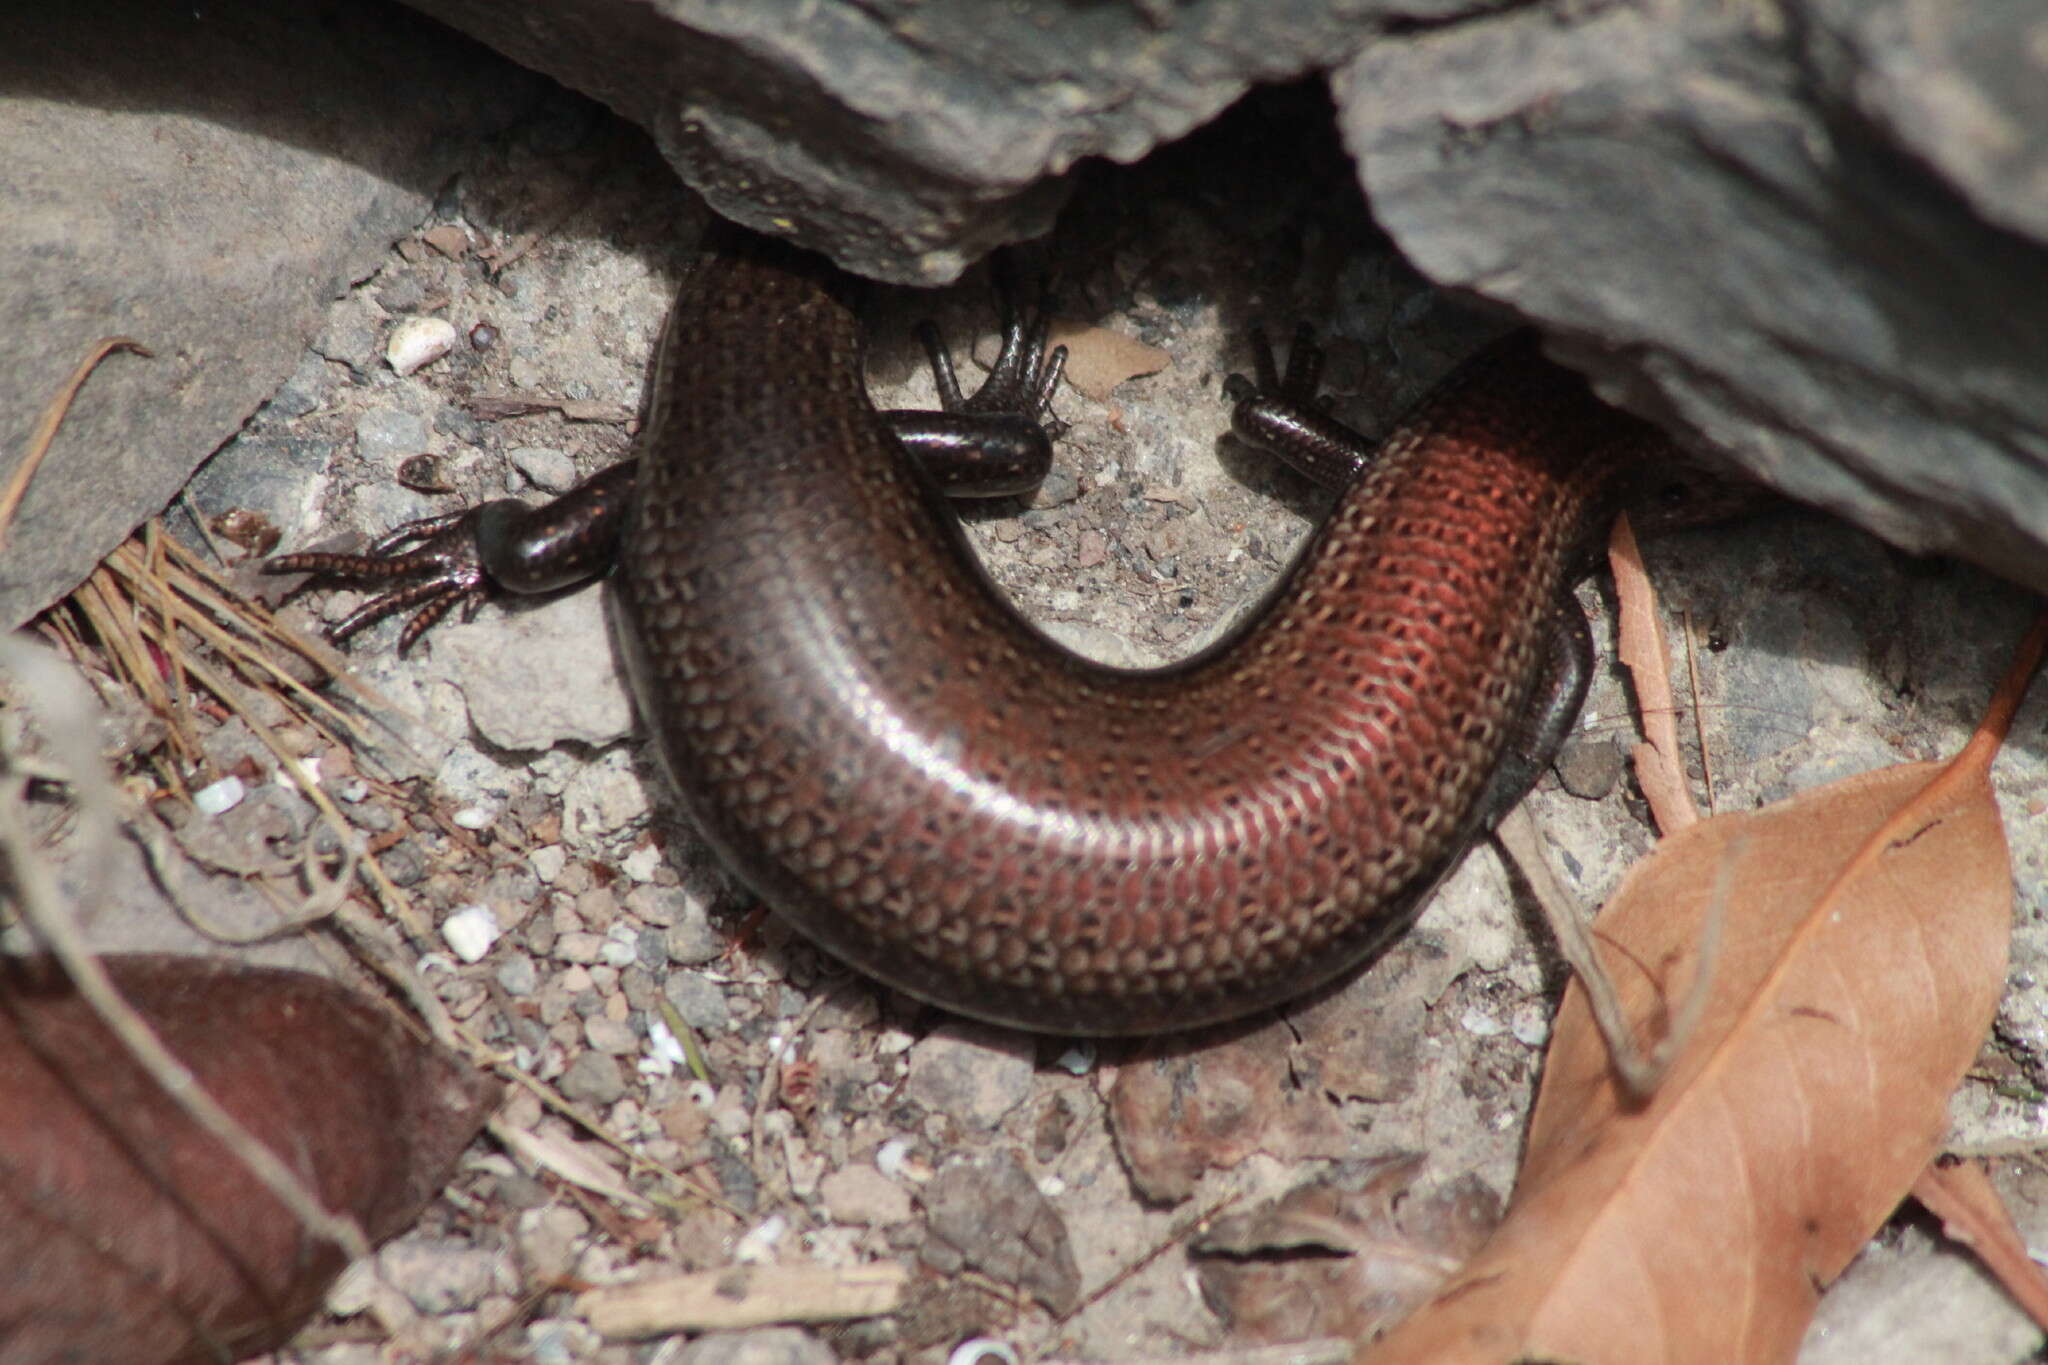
{"type": "Point", "coordinates": [935, 792]}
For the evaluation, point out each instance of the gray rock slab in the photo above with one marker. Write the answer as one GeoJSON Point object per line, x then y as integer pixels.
{"type": "Point", "coordinates": [204, 180]}
{"type": "Point", "coordinates": [907, 139]}
{"type": "Point", "coordinates": [537, 675]}
{"type": "Point", "coordinates": [1812, 244]}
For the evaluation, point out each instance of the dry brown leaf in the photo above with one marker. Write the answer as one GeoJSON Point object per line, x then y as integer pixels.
{"type": "Point", "coordinates": [1864, 955]}
{"type": "Point", "coordinates": [1963, 1197]}
{"type": "Point", "coordinates": [1660, 765]}
{"type": "Point", "coordinates": [1098, 359]}
{"type": "Point", "coordinates": [129, 1234]}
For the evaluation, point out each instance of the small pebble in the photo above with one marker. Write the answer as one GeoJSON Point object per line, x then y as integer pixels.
{"type": "Point", "coordinates": [621, 946]}
{"type": "Point", "coordinates": [758, 1246]}
{"type": "Point", "coordinates": [609, 1036]}
{"type": "Point", "coordinates": [1481, 1025]}
{"type": "Point", "coordinates": [418, 341]}
{"type": "Point", "coordinates": [1531, 1026]}
{"type": "Point", "coordinates": [983, 1351]}
{"type": "Point", "coordinates": [518, 975]}
{"type": "Point", "coordinates": [1590, 768]}
{"type": "Point", "coordinates": [547, 861]}
{"type": "Point", "coordinates": [691, 939]}
{"type": "Point", "coordinates": [404, 864]}
{"type": "Point", "coordinates": [309, 766]}
{"type": "Point", "coordinates": [1077, 1060]}
{"type": "Point", "coordinates": [550, 470]}
{"type": "Point", "coordinates": [972, 1073]}
{"type": "Point", "coordinates": [890, 1157]}
{"type": "Point", "coordinates": [471, 931]}
{"type": "Point", "coordinates": [219, 797]}
{"type": "Point", "coordinates": [664, 1053]}
{"type": "Point", "coordinates": [474, 817]}
{"type": "Point", "coordinates": [593, 1078]}
{"type": "Point", "coordinates": [579, 946]}
{"type": "Point", "coordinates": [642, 863]}
{"type": "Point", "coordinates": [698, 1000]}
{"type": "Point", "coordinates": [439, 1275]}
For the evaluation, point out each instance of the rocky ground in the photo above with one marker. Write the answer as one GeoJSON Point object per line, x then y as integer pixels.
{"type": "Point", "coordinates": [763, 1108]}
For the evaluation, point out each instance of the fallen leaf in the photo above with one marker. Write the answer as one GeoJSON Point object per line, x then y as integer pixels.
{"type": "Point", "coordinates": [1098, 359]}
{"type": "Point", "coordinates": [1863, 957]}
{"type": "Point", "coordinates": [1660, 765]}
{"type": "Point", "coordinates": [127, 1233]}
{"type": "Point", "coordinates": [1971, 1213]}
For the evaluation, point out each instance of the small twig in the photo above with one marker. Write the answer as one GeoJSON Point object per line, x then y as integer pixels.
{"type": "Point", "coordinates": [53, 417]}
{"type": "Point", "coordinates": [1972, 1213]}
{"type": "Point", "coordinates": [1640, 1073]}
{"type": "Point", "coordinates": [1699, 718]}
{"type": "Point", "coordinates": [1660, 766]}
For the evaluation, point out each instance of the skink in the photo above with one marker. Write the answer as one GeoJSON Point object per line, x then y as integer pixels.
{"type": "Point", "coordinates": [887, 754]}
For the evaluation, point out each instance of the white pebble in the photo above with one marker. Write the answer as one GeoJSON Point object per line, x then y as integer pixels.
{"type": "Point", "coordinates": [471, 931]}
{"type": "Point", "coordinates": [1482, 1025]}
{"type": "Point", "coordinates": [474, 817]}
{"type": "Point", "coordinates": [1077, 1060]}
{"type": "Point", "coordinates": [418, 341]}
{"type": "Point", "coordinates": [309, 766]}
{"type": "Point", "coordinates": [1530, 1026]}
{"type": "Point", "coordinates": [220, 796]}
{"type": "Point", "coordinates": [548, 861]}
{"type": "Point", "coordinates": [641, 863]}
{"type": "Point", "coordinates": [758, 1246]}
{"type": "Point", "coordinates": [889, 1157]}
{"type": "Point", "coordinates": [983, 1351]}
{"type": "Point", "coordinates": [621, 948]}
{"type": "Point", "coordinates": [664, 1053]}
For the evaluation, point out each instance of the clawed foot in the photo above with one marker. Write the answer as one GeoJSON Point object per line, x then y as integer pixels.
{"type": "Point", "coordinates": [1298, 387]}
{"type": "Point", "coordinates": [997, 443]}
{"type": "Point", "coordinates": [442, 571]}
{"type": "Point", "coordinates": [1022, 381]}
{"type": "Point", "coordinates": [1286, 416]}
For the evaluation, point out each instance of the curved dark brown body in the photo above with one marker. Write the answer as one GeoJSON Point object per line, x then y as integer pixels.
{"type": "Point", "coordinates": [938, 794]}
